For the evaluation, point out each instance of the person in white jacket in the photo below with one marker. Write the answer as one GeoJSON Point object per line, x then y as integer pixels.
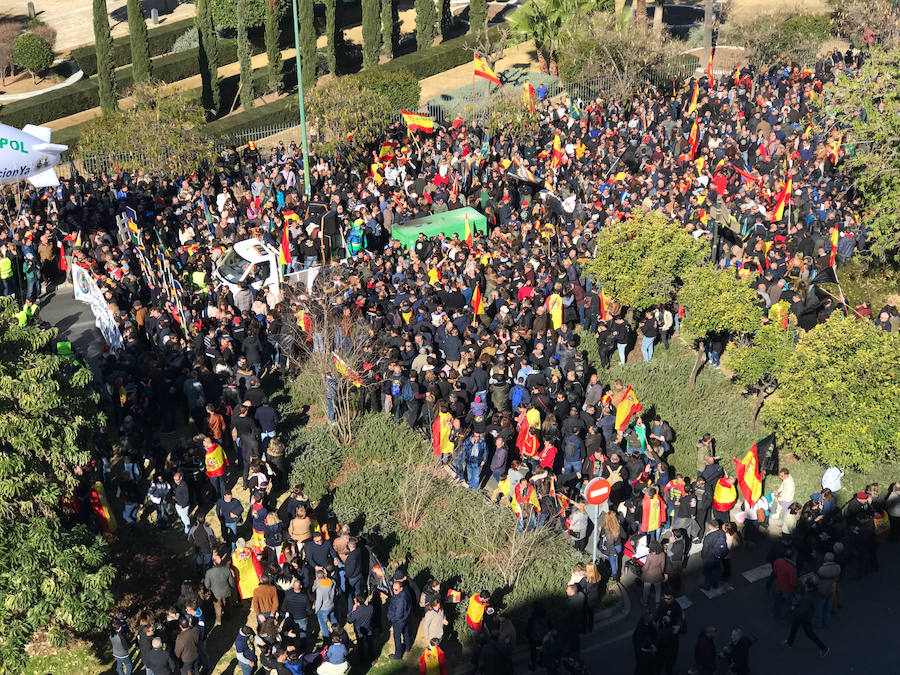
{"type": "Point", "coordinates": [786, 491]}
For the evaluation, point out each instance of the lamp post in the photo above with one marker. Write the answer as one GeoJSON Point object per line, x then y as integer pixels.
{"type": "Point", "coordinates": [304, 143]}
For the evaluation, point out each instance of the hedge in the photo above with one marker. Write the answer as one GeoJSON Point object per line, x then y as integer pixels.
{"type": "Point", "coordinates": [161, 40]}
{"type": "Point", "coordinates": [444, 56]}
{"type": "Point", "coordinates": [83, 95]}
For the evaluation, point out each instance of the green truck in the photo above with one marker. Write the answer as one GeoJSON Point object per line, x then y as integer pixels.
{"type": "Point", "coordinates": [448, 224]}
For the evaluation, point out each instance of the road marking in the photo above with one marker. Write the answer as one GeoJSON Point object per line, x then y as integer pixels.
{"type": "Point", "coordinates": [684, 601]}
{"type": "Point", "coordinates": [717, 591]}
{"type": "Point", "coordinates": [758, 573]}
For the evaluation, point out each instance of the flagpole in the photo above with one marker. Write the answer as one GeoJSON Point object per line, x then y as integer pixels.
{"type": "Point", "coordinates": [840, 290]}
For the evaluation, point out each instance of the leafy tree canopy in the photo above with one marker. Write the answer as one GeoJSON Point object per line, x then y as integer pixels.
{"type": "Point", "coordinates": [868, 105]}
{"type": "Point", "coordinates": [346, 114]}
{"type": "Point", "coordinates": [639, 261]}
{"type": "Point", "coordinates": [715, 300]}
{"type": "Point", "coordinates": [225, 12]}
{"type": "Point", "coordinates": [764, 358]}
{"type": "Point", "coordinates": [160, 135]}
{"type": "Point", "coordinates": [839, 400]}
{"type": "Point", "coordinates": [51, 577]}
{"type": "Point", "coordinates": [33, 53]}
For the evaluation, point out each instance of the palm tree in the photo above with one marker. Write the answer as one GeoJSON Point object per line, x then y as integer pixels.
{"type": "Point", "coordinates": [532, 22]}
{"type": "Point", "coordinates": [640, 15]}
{"type": "Point", "coordinates": [658, 16]}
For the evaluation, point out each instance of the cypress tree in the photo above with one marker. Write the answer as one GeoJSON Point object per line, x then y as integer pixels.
{"type": "Point", "coordinates": [425, 20]}
{"type": "Point", "coordinates": [273, 50]}
{"type": "Point", "coordinates": [371, 32]}
{"type": "Point", "coordinates": [331, 35]}
{"type": "Point", "coordinates": [243, 50]}
{"type": "Point", "coordinates": [140, 45]}
{"type": "Point", "coordinates": [447, 19]}
{"type": "Point", "coordinates": [307, 42]}
{"type": "Point", "coordinates": [478, 14]}
{"type": "Point", "coordinates": [208, 55]}
{"type": "Point", "coordinates": [387, 28]}
{"type": "Point", "coordinates": [105, 70]}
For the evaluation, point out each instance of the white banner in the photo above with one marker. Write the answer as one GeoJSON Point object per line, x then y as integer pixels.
{"type": "Point", "coordinates": [86, 290]}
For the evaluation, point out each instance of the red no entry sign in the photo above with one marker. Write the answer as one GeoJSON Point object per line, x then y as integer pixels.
{"type": "Point", "coordinates": [597, 491]}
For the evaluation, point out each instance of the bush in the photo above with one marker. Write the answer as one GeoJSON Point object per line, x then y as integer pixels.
{"type": "Point", "coordinates": [224, 12]}
{"type": "Point", "coordinates": [188, 40]}
{"type": "Point", "coordinates": [444, 56]}
{"type": "Point", "coordinates": [315, 459]}
{"type": "Point", "coordinates": [160, 39]}
{"type": "Point", "coordinates": [370, 499]}
{"type": "Point", "coordinates": [400, 87]}
{"type": "Point", "coordinates": [380, 440]}
{"type": "Point", "coordinates": [33, 53]}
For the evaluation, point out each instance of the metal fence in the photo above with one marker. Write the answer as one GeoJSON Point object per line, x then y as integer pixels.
{"type": "Point", "coordinates": [586, 90]}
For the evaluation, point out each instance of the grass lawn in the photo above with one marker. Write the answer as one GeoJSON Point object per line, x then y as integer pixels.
{"type": "Point", "coordinates": [79, 658]}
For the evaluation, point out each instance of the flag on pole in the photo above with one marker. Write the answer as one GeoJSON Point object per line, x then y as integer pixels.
{"type": "Point", "coordinates": [603, 306]}
{"type": "Point", "coordinates": [783, 198]}
{"type": "Point", "coordinates": [524, 172]}
{"type": "Point", "coordinates": [557, 154]}
{"type": "Point", "coordinates": [77, 243]}
{"type": "Point", "coordinates": [693, 104]}
{"type": "Point", "coordinates": [835, 235]}
{"type": "Point", "coordinates": [482, 69]}
{"type": "Point", "coordinates": [709, 65]}
{"type": "Point", "coordinates": [627, 409]}
{"type": "Point", "coordinates": [386, 153]}
{"type": "Point", "coordinates": [748, 476]}
{"type": "Point", "coordinates": [468, 232]}
{"type": "Point", "coordinates": [477, 302]}
{"type": "Point", "coordinates": [344, 370]}
{"type": "Point", "coordinates": [528, 96]}
{"type": "Point", "coordinates": [693, 140]}
{"type": "Point", "coordinates": [417, 122]}
{"type": "Point", "coordinates": [285, 253]}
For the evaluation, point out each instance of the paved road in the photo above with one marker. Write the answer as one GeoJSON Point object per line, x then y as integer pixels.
{"type": "Point", "coordinates": [859, 635]}
{"type": "Point", "coordinates": [74, 320]}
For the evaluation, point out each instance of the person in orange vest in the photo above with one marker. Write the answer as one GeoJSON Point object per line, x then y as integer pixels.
{"type": "Point", "coordinates": [653, 513]}
{"type": "Point", "coordinates": [479, 604]}
{"type": "Point", "coordinates": [433, 661]}
{"type": "Point", "coordinates": [216, 461]}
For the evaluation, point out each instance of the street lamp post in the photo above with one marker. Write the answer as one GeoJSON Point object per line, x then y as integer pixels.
{"type": "Point", "coordinates": [305, 144]}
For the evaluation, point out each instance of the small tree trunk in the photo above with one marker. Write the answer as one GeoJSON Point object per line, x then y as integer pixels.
{"type": "Point", "coordinates": [698, 362]}
{"type": "Point", "coordinates": [658, 17]}
{"type": "Point", "coordinates": [640, 15]}
{"type": "Point", "coordinates": [757, 405]}
{"type": "Point", "coordinates": [542, 61]}
{"type": "Point", "coordinates": [554, 65]}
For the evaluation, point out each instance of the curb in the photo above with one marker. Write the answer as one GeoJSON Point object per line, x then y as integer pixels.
{"type": "Point", "coordinates": [72, 79]}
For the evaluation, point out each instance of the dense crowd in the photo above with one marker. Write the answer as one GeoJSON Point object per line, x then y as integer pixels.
{"type": "Point", "coordinates": [500, 385]}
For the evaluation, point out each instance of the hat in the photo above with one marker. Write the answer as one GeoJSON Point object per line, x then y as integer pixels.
{"type": "Point", "coordinates": [862, 495]}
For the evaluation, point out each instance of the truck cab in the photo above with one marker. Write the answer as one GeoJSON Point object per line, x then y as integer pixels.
{"type": "Point", "coordinates": [249, 261]}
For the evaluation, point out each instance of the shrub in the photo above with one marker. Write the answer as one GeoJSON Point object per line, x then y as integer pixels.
{"type": "Point", "coordinates": [189, 39]}
{"type": "Point", "coordinates": [305, 389]}
{"type": "Point", "coordinates": [434, 60]}
{"type": "Point", "coordinates": [315, 458]}
{"type": "Point", "coordinates": [224, 12]}
{"type": "Point", "coordinates": [369, 497]}
{"type": "Point", "coordinates": [400, 87]}
{"type": "Point", "coordinates": [33, 53]}
{"type": "Point", "coordinates": [46, 32]}
{"type": "Point", "coordinates": [160, 41]}
{"type": "Point", "coordinates": [381, 440]}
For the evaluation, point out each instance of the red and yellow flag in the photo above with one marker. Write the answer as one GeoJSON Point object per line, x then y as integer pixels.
{"type": "Point", "coordinates": [693, 140]}
{"type": "Point", "coordinates": [783, 198]}
{"type": "Point", "coordinates": [724, 495]}
{"type": "Point", "coordinates": [694, 96]}
{"type": "Point", "coordinates": [835, 235]}
{"type": "Point", "coordinates": [748, 476]}
{"type": "Point", "coordinates": [603, 306]}
{"type": "Point", "coordinates": [285, 253]}
{"type": "Point", "coordinates": [627, 409]}
{"type": "Point", "coordinates": [468, 232]}
{"type": "Point", "coordinates": [709, 73]}
{"type": "Point", "coordinates": [417, 122]}
{"type": "Point", "coordinates": [528, 96]}
{"type": "Point", "coordinates": [482, 69]}
{"type": "Point", "coordinates": [440, 434]}
{"type": "Point", "coordinates": [477, 302]}
{"type": "Point", "coordinates": [557, 154]}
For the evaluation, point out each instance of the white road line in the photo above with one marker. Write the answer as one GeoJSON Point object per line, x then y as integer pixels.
{"type": "Point", "coordinates": [758, 573]}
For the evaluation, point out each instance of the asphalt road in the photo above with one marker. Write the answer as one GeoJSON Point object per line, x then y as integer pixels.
{"type": "Point", "coordinates": [74, 320]}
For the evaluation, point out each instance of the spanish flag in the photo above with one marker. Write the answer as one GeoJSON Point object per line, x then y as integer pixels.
{"type": "Point", "coordinates": [693, 140]}
{"type": "Point", "coordinates": [603, 306]}
{"type": "Point", "coordinates": [555, 310]}
{"type": "Point", "coordinates": [468, 232]}
{"type": "Point", "coordinates": [528, 96]}
{"type": "Point", "coordinates": [628, 407]}
{"type": "Point", "coordinates": [344, 370]}
{"type": "Point", "coordinates": [709, 73]}
{"type": "Point", "coordinates": [453, 596]}
{"type": "Point", "coordinates": [783, 198]}
{"type": "Point", "coordinates": [700, 164]}
{"type": "Point", "coordinates": [724, 496]}
{"type": "Point", "coordinates": [285, 253]}
{"type": "Point", "coordinates": [475, 613]}
{"type": "Point", "coordinates": [693, 104]}
{"type": "Point", "coordinates": [482, 69]}
{"type": "Point", "coordinates": [440, 434]}
{"type": "Point", "coordinates": [477, 302]}
{"type": "Point", "coordinates": [77, 243]}
{"type": "Point", "coordinates": [835, 235]}
{"type": "Point", "coordinates": [557, 152]}
{"type": "Point", "coordinates": [749, 477]}
{"type": "Point", "coordinates": [524, 171]}
{"type": "Point", "coordinates": [386, 153]}
{"type": "Point", "coordinates": [417, 122]}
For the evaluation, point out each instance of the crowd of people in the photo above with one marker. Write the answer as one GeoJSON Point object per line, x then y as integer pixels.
{"type": "Point", "coordinates": [470, 340]}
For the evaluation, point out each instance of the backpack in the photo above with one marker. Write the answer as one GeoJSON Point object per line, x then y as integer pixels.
{"type": "Point", "coordinates": [571, 447]}
{"type": "Point", "coordinates": [721, 547]}
{"type": "Point", "coordinates": [406, 393]}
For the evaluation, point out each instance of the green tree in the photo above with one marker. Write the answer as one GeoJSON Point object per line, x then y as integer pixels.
{"type": "Point", "coordinates": [872, 145]}
{"type": "Point", "coordinates": [344, 114]}
{"type": "Point", "coordinates": [371, 32]}
{"type": "Point", "coordinates": [243, 52]}
{"type": "Point", "coordinates": [400, 87]}
{"type": "Point", "coordinates": [389, 28]}
{"type": "Point", "coordinates": [224, 12]}
{"type": "Point", "coordinates": [273, 48]}
{"type": "Point", "coordinates": [140, 45]}
{"type": "Point", "coordinates": [716, 301]}
{"type": "Point", "coordinates": [478, 16]}
{"type": "Point", "coordinates": [106, 81]}
{"type": "Point", "coordinates": [54, 575]}
{"type": "Point", "coordinates": [33, 53]}
{"type": "Point", "coordinates": [160, 134]}
{"type": "Point", "coordinates": [307, 42]}
{"type": "Point", "coordinates": [640, 261]}
{"type": "Point", "coordinates": [839, 398]}
{"type": "Point", "coordinates": [208, 55]}
{"type": "Point", "coordinates": [331, 35]}
{"type": "Point", "coordinates": [758, 364]}
{"type": "Point", "coordinates": [425, 24]}
{"type": "Point", "coordinates": [504, 114]}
